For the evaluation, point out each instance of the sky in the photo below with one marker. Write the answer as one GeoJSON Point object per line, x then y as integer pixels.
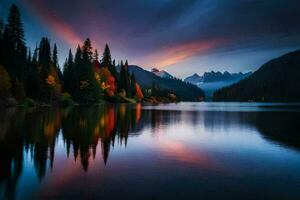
{"type": "Point", "coordinates": [182, 37]}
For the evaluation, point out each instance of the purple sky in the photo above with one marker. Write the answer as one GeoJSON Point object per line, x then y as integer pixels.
{"type": "Point", "coordinates": [180, 36]}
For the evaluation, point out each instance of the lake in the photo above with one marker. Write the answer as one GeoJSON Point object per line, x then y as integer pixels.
{"type": "Point", "coordinates": [174, 151]}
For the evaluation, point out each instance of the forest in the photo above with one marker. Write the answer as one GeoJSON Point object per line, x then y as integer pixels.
{"type": "Point", "coordinates": [35, 77]}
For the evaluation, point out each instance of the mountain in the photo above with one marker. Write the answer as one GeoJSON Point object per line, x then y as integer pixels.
{"type": "Point", "coordinates": [212, 81]}
{"type": "Point", "coordinates": [276, 81]}
{"type": "Point", "coordinates": [215, 77]}
{"type": "Point", "coordinates": [194, 79]}
{"type": "Point", "coordinates": [185, 91]}
{"type": "Point", "coordinates": [161, 73]}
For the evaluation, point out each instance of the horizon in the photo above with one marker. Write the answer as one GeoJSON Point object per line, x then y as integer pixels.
{"type": "Point", "coordinates": [196, 40]}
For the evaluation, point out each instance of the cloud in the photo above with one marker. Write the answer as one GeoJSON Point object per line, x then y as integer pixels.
{"type": "Point", "coordinates": [178, 53]}
{"type": "Point", "coordinates": [168, 32]}
{"type": "Point", "coordinates": [55, 23]}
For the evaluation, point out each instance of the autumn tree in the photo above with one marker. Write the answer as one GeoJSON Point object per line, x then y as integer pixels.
{"type": "Point", "coordinates": [139, 93]}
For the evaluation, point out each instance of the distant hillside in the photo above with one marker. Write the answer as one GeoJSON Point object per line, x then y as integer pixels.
{"type": "Point", "coordinates": [212, 81]}
{"type": "Point", "coordinates": [161, 73]}
{"type": "Point", "coordinates": [185, 91]}
{"type": "Point", "coordinates": [277, 80]}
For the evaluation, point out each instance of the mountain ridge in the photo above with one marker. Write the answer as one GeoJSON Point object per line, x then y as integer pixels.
{"type": "Point", "coordinates": [186, 91]}
{"type": "Point", "coordinates": [209, 82]}
{"type": "Point", "coordinates": [276, 80]}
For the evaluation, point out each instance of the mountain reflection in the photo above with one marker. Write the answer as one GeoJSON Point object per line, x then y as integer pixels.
{"type": "Point", "coordinates": [36, 132]}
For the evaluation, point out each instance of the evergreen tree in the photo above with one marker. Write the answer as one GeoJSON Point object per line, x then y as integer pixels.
{"type": "Point", "coordinates": [48, 76]}
{"type": "Point", "coordinates": [35, 55]}
{"type": "Point", "coordinates": [33, 87]}
{"type": "Point", "coordinates": [54, 56]}
{"type": "Point", "coordinates": [29, 57]}
{"type": "Point", "coordinates": [96, 55]}
{"type": "Point", "coordinates": [78, 56]}
{"type": "Point", "coordinates": [44, 57]}
{"type": "Point", "coordinates": [124, 78]}
{"type": "Point", "coordinates": [68, 73]}
{"type": "Point", "coordinates": [14, 45]}
{"type": "Point", "coordinates": [87, 52]}
{"type": "Point", "coordinates": [88, 90]}
{"type": "Point", "coordinates": [55, 62]}
{"type": "Point", "coordinates": [106, 62]}
{"type": "Point", "coordinates": [106, 58]}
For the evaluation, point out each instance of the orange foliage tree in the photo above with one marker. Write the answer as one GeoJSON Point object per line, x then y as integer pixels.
{"type": "Point", "coordinates": [139, 93]}
{"type": "Point", "coordinates": [106, 80]}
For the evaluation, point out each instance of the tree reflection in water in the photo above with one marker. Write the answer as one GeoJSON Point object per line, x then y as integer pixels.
{"type": "Point", "coordinates": [36, 131]}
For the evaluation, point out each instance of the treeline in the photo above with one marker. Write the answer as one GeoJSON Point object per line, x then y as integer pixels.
{"type": "Point", "coordinates": [37, 75]}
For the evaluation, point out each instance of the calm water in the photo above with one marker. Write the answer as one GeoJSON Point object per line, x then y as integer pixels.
{"type": "Point", "coordinates": [176, 151]}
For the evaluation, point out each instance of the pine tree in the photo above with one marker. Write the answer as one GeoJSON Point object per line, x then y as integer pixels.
{"type": "Point", "coordinates": [48, 76]}
{"type": "Point", "coordinates": [15, 44]}
{"type": "Point", "coordinates": [35, 55]}
{"type": "Point", "coordinates": [55, 62]}
{"type": "Point", "coordinates": [78, 56]}
{"type": "Point", "coordinates": [54, 56]}
{"type": "Point", "coordinates": [96, 55]}
{"type": "Point", "coordinates": [106, 57]}
{"type": "Point", "coordinates": [106, 62]}
{"type": "Point", "coordinates": [33, 87]}
{"type": "Point", "coordinates": [124, 78]}
{"type": "Point", "coordinates": [68, 73]}
{"type": "Point", "coordinates": [44, 52]}
{"type": "Point", "coordinates": [87, 51]}
{"type": "Point", "coordinates": [88, 90]}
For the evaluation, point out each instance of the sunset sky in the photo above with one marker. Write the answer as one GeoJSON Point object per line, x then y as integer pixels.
{"type": "Point", "coordinates": [180, 36]}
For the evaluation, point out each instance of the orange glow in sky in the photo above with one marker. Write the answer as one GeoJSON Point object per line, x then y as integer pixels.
{"type": "Point", "coordinates": [176, 54]}
{"type": "Point", "coordinates": [61, 28]}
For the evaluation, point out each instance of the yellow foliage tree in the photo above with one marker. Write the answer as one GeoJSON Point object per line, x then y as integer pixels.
{"type": "Point", "coordinates": [104, 74]}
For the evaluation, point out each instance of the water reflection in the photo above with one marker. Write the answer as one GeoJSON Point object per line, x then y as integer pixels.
{"type": "Point", "coordinates": [36, 132]}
